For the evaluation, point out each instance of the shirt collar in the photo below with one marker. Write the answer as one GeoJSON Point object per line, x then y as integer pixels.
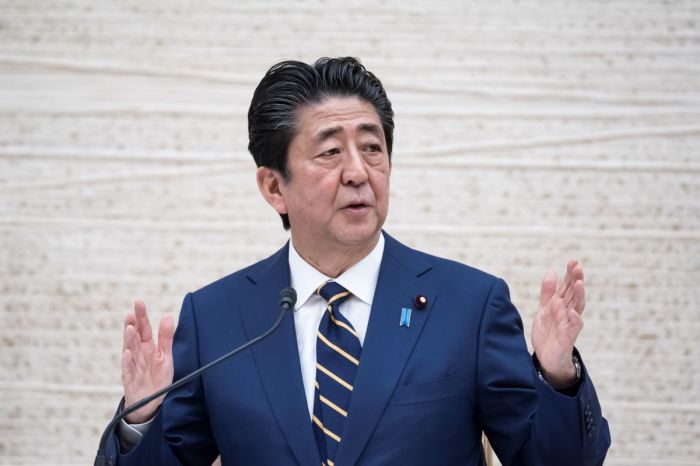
{"type": "Point", "coordinates": [360, 279]}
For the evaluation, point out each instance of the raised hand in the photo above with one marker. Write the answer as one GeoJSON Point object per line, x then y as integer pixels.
{"type": "Point", "coordinates": [558, 324]}
{"type": "Point", "coordinates": [146, 368]}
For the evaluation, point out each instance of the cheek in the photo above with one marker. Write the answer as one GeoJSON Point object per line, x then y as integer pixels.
{"type": "Point", "coordinates": [317, 194]}
{"type": "Point", "coordinates": [380, 186]}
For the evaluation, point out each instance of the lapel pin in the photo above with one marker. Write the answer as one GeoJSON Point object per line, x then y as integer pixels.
{"type": "Point", "coordinates": [421, 302]}
{"type": "Point", "coordinates": [405, 317]}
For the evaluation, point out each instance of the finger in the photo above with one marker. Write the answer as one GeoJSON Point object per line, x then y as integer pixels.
{"type": "Point", "coordinates": [130, 319]}
{"type": "Point", "coordinates": [142, 323]}
{"type": "Point", "coordinates": [559, 309]}
{"type": "Point", "coordinates": [579, 301]}
{"type": "Point", "coordinates": [574, 274]}
{"type": "Point", "coordinates": [128, 367]}
{"type": "Point", "coordinates": [166, 331]}
{"type": "Point", "coordinates": [132, 341]}
{"type": "Point", "coordinates": [131, 378]}
{"type": "Point", "coordinates": [568, 297]}
{"type": "Point", "coordinates": [548, 288]}
{"type": "Point", "coordinates": [578, 271]}
{"type": "Point", "coordinates": [573, 294]}
{"type": "Point", "coordinates": [569, 278]}
{"type": "Point", "coordinates": [575, 325]}
{"type": "Point", "coordinates": [563, 287]}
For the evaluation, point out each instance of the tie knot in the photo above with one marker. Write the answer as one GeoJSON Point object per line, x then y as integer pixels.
{"type": "Point", "coordinates": [333, 293]}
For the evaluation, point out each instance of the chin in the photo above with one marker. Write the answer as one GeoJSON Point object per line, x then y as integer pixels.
{"type": "Point", "coordinates": [359, 236]}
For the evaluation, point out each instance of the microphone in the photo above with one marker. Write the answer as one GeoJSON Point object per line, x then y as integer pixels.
{"type": "Point", "coordinates": [288, 297]}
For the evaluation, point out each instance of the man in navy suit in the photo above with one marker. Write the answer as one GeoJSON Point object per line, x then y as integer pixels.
{"type": "Point", "coordinates": [438, 353]}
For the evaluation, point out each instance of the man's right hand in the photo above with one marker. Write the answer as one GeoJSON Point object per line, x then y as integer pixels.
{"type": "Point", "coordinates": [146, 368]}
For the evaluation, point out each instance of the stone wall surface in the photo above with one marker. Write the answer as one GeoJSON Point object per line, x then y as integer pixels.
{"type": "Point", "coordinates": [528, 132]}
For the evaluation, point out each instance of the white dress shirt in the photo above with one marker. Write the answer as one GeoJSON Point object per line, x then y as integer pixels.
{"type": "Point", "coordinates": [360, 280]}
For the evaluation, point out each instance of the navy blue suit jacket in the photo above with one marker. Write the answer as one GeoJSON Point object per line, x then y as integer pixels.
{"type": "Point", "coordinates": [422, 394]}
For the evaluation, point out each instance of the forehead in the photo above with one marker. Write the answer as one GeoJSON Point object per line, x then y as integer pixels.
{"type": "Point", "coordinates": [344, 113]}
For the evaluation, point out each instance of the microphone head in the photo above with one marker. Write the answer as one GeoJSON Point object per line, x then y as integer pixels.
{"type": "Point", "coordinates": [288, 298]}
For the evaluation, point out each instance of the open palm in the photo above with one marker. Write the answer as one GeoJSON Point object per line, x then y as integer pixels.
{"type": "Point", "coordinates": [146, 367]}
{"type": "Point", "coordinates": [558, 323]}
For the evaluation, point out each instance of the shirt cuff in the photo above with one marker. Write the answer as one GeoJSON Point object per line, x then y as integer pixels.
{"type": "Point", "coordinates": [571, 390]}
{"type": "Point", "coordinates": [130, 435]}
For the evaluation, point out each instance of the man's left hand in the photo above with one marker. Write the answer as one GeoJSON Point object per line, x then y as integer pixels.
{"type": "Point", "coordinates": [558, 323]}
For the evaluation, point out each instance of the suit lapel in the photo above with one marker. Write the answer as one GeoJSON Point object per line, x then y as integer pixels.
{"type": "Point", "coordinates": [277, 357]}
{"type": "Point", "coordinates": [387, 345]}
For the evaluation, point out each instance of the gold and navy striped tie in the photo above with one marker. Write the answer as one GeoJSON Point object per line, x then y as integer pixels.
{"type": "Point", "coordinates": [337, 357]}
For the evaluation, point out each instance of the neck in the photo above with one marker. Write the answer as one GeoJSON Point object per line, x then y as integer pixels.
{"type": "Point", "coordinates": [332, 262]}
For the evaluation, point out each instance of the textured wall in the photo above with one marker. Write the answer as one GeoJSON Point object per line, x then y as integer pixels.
{"type": "Point", "coordinates": [528, 132]}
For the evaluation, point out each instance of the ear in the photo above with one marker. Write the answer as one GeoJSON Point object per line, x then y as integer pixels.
{"type": "Point", "coordinates": [269, 182]}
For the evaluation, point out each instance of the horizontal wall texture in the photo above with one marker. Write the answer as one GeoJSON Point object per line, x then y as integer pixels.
{"type": "Point", "coordinates": [527, 133]}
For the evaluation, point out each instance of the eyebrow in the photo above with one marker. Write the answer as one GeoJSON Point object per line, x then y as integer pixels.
{"type": "Point", "coordinates": [363, 127]}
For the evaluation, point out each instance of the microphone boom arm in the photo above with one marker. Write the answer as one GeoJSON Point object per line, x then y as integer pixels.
{"type": "Point", "coordinates": [287, 299]}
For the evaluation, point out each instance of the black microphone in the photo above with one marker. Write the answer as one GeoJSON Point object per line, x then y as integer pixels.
{"type": "Point", "coordinates": [288, 297]}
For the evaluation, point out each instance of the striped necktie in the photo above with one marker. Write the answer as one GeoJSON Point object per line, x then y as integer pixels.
{"type": "Point", "coordinates": [337, 357]}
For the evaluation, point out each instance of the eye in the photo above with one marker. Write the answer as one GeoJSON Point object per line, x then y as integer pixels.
{"type": "Point", "coordinates": [330, 152]}
{"type": "Point", "coordinates": [372, 148]}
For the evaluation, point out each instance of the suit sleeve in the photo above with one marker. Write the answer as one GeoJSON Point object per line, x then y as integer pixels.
{"type": "Point", "coordinates": [526, 420]}
{"type": "Point", "coordinates": [180, 433]}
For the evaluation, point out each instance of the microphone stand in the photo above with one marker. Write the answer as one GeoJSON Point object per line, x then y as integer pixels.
{"type": "Point", "coordinates": [288, 297]}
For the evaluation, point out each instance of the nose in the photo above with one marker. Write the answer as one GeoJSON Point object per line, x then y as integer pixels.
{"type": "Point", "coordinates": [354, 168]}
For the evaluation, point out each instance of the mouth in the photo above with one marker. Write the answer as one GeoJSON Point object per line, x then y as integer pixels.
{"type": "Point", "coordinates": [356, 207]}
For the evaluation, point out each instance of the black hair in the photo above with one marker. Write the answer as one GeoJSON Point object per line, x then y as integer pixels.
{"type": "Point", "coordinates": [290, 85]}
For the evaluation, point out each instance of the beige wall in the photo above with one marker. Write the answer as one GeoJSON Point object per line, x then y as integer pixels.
{"type": "Point", "coordinates": [527, 133]}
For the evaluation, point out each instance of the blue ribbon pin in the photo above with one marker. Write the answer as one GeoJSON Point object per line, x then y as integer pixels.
{"type": "Point", "coordinates": [405, 317]}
